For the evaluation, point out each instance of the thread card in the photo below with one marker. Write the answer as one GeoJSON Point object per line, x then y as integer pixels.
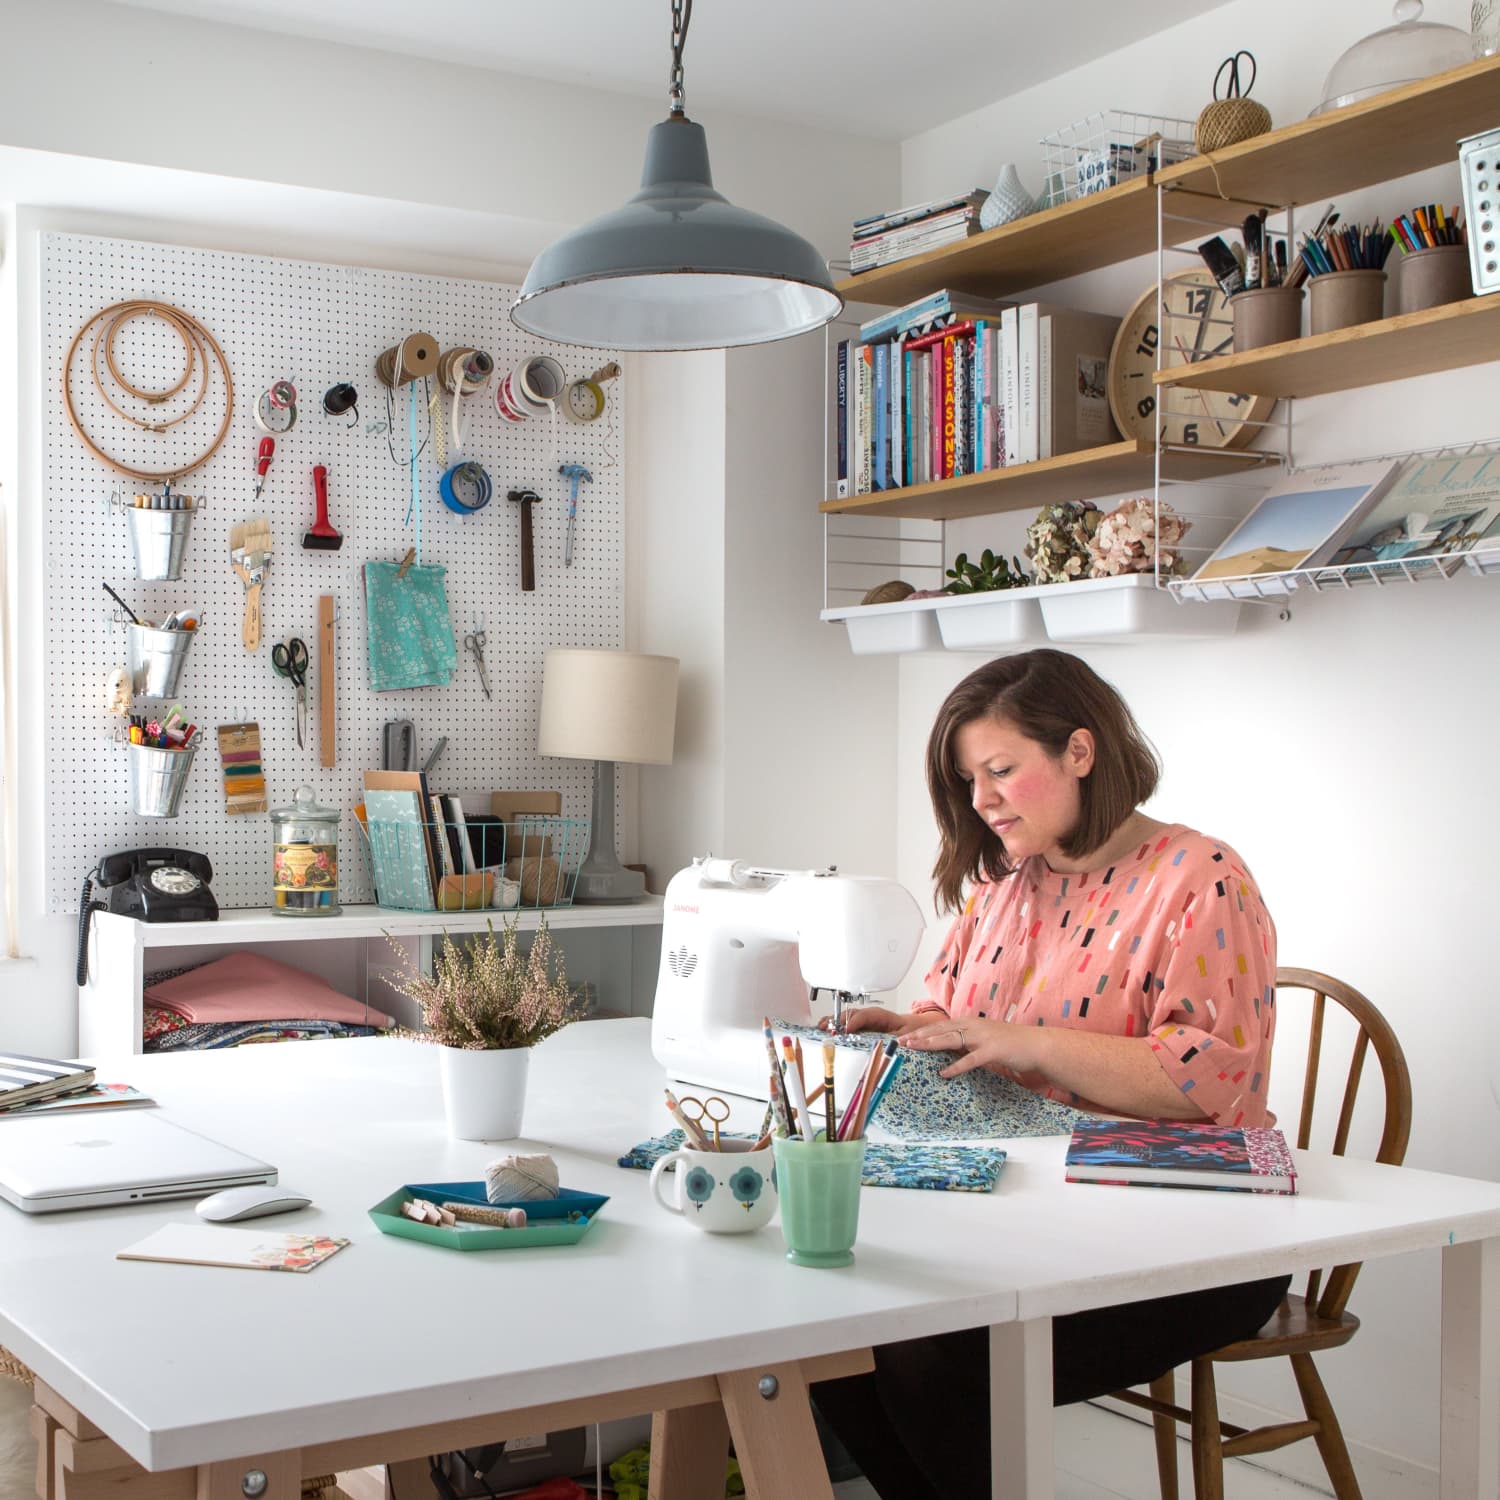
{"type": "Point", "coordinates": [244, 778]}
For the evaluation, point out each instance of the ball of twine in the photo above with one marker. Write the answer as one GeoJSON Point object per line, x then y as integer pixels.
{"type": "Point", "coordinates": [1226, 121]}
{"type": "Point", "coordinates": [520, 1177]}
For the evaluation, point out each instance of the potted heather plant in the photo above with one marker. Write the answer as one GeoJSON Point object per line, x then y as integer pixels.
{"type": "Point", "coordinates": [485, 1005]}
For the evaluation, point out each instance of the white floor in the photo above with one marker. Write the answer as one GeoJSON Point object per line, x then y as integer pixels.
{"type": "Point", "coordinates": [1102, 1456]}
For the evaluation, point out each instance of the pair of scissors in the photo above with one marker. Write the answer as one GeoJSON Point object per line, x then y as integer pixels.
{"type": "Point", "coordinates": [706, 1109]}
{"type": "Point", "coordinates": [1233, 87]}
{"type": "Point", "coordinates": [474, 642]}
{"type": "Point", "coordinates": [290, 661]}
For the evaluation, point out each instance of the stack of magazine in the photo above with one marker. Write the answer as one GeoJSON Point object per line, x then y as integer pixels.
{"type": "Point", "coordinates": [899, 232]}
{"type": "Point", "coordinates": [1412, 518]}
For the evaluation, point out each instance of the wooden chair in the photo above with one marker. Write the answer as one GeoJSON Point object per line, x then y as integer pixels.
{"type": "Point", "coordinates": [1303, 1325]}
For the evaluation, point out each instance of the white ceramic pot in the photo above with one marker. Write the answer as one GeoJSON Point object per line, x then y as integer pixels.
{"type": "Point", "coordinates": [484, 1093]}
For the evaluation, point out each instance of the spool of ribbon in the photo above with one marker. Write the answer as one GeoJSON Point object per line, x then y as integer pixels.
{"type": "Point", "coordinates": [281, 397]}
{"type": "Point", "coordinates": [338, 399]}
{"type": "Point", "coordinates": [411, 359]}
{"type": "Point", "coordinates": [462, 372]}
{"type": "Point", "coordinates": [465, 488]}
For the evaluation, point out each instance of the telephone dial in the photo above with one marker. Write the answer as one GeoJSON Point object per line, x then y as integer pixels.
{"type": "Point", "coordinates": [152, 885]}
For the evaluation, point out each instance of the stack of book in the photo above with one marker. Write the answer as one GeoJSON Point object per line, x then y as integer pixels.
{"type": "Point", "coordinates": [953, 384]}
{"type": "Point", "coordinates": [27, 1080]}
{"type": "Point", "coordinates": [882, 238]}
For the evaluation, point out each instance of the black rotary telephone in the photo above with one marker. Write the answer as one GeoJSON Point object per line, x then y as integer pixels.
{"type": "Point", "coordinates": [152, 885]}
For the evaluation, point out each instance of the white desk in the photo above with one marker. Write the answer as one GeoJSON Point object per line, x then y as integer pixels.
{"type": "Point", "coordinates": [394, 1349]}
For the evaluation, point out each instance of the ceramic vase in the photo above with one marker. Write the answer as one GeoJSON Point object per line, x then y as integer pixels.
{"type": "Point", "coordinates": [484, 1093]}
{"type": "Point", "coordinates": [1007, 201]}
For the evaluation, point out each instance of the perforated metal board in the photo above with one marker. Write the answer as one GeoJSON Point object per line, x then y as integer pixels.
{"type": "Point", "coordinates": [315, 325]}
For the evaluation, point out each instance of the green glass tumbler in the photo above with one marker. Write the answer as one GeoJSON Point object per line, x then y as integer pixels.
{"type": "Point", "coordinates": [818, 1185]}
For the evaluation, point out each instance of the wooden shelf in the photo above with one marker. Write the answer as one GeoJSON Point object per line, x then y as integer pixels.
{"type": "Point", "coordinates": [1439, 338]}
{"type": "Point", "coordinates": [1043, 247]}
{"type": "Point", "coordinates": [1073, 476]}
{"type": "Point", "coordinates": [1402, 131]}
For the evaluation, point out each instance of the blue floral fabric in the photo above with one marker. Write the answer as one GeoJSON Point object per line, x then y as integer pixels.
{"type": "Point", "coordinates": [952, 1169]}
{"type": "Point", "coordinates": [407, 626]}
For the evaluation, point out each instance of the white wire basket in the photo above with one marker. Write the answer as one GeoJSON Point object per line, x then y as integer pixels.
{"type": "Point", "coordinates": [1108, 148]}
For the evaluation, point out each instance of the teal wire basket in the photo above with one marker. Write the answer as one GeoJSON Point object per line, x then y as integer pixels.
{"type": "Point", "coordinates": [525, 863]}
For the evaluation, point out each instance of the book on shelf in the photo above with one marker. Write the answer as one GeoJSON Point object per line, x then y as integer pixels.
{"type": "Point", "coordinates": [915, 239]}
{"type": "Point", "coordinates": [1010, 390]}
{"type": "Point", "coordinates": [841, 420]}
{"type": "Point", "coordinates": [1297, 523]}
{"type": "Point", "coordinates": [1072, 398]}
{"type": "Point", "coordinates": [404, 850]}
{"type": "Point", "coordinates": [1175, 1154]}
{"type": "Point", "coordinates": [894, 218]}
{"type": "Point", "coordinates": [1027, 444]}
{"type": "Point", "coordinates": [948, 420]}
{"type": "Point", "coordinates": [927, 314]}
{"type": "Point", "coordinates": [96, 1096]}
{"type": "Point", "coordinates": [897, 381]}
{"type": "Point", "coordinates": [881, 398]}
{"type": "Point", "coordinates": [862, 481]}
{"type": "Point", "coordinates": [25, 1079]}
{"type": "Point", "coordinates": [1437, 508]}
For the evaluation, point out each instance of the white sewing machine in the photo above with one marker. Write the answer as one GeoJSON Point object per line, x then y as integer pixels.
{"type": "Point", "coordinates": [740, 943]}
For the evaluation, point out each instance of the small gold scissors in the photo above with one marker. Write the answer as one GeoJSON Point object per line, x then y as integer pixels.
{"type": "Point", "coordinates": [707, 1109]}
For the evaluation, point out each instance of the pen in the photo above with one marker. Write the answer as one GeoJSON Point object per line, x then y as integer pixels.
{"type": "Point", "coordinates": [855, 1107]}
{"type": "Point", "coordinates": [884, 1056]}
{"type": "Point", "coordinates": [885, 1083]}
{"type": "Point", "coordinates": [799, 1104]}
{"type": "Point", "coordinates": [830, 1115]}
{"type": "Point", "coordinates": [772, 1054]}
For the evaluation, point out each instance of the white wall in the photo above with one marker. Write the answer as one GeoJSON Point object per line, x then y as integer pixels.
{"type": "Point", "coordinates": [278, 145]}
{"type": "Point", "coordinates": [1331, 750]}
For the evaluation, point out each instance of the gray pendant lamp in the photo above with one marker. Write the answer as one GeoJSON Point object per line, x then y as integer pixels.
{"type": "Point", "coordinates": [679, 266]}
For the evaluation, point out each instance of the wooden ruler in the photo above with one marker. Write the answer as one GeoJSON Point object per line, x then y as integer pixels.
{"type": "Point", "coordinates": [327, 746]}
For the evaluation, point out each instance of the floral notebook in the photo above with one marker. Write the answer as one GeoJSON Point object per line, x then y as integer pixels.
{"type": "Point", "coordinates": [241, 1249]}
{"type": "Point", "coordinates": [1175, 1154]}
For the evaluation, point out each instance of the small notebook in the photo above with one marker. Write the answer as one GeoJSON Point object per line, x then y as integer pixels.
{"type": "Point", "coordinates": [23, 1077]}
{"type": "Point", "coordinates": [942, 1169]}
{"type": "Point", "coordinates": [239, 1249]}
{"type": "Point", "coordinates": [921, 1106]}
{"type": "Point", "coordinates": [1169, 1153]}
{"type": "Point", "coordinates": [100, 1096]}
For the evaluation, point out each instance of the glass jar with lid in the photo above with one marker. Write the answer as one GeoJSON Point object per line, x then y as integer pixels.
{"type": "Point", "coordinates": [305, 862]}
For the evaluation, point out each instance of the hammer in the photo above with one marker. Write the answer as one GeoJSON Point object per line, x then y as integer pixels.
{"type": "Point", "coordinates": [526, 499]}
{"type": "Point", "coordinates": [575, 473]}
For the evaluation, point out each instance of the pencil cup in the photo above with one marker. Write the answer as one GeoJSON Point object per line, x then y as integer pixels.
{"type": "Point", "coordinates": [158, 541]}
{"type": "Point", "coordinates": [1431, 277]}
{"type": "Point", "coordinates": [158, 778]}
{"type": "Point", "coordinates": [1340, 299]}
{"type": "Point", "coordinates": [819, 1199]}
{"type": "Point", "coordinates": [729, 1191]}
{"type": "Point", "coordinates": [1267, 315]}
{"type": "Point", "coordinates": [156, 658]}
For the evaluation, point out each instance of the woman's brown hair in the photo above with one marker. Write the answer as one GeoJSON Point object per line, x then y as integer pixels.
{"type": "Point", "coordinates": [1045, 695]}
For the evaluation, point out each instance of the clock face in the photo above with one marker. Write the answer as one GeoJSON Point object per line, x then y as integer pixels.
{"type": "Point", "coordinates": [1196, 324]}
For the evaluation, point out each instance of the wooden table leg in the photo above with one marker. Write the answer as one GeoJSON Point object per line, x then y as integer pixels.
{"type": "Point", "coordinates": [1021, 1462]}
{"type": "Point", "coordinates": [775, 1441]}
{"type": "Point", "coordinates": [1469, 1462]}
{"type": "Point", "coordinates": [267, 1476]}
{"type": "Point", "coordinates": [44, 1430]}
{"type": "Point", "coordinates": [689, 1451]}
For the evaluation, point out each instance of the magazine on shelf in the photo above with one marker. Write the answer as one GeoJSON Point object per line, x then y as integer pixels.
{"type": "Point", "coordinates": [1174, 1154]}
{"type": "Point", "coordinates": [1436, 508]}
{"type": "Point", "coordinates": [1296, 524]}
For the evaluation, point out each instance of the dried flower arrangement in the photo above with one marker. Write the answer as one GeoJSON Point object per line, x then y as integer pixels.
{"type": "Point", "coordinates": [484, 995]}
{"type": "Point", "coordinates": [1133, 538]}
{"type": "Point", "coordinates": [1057, 542]}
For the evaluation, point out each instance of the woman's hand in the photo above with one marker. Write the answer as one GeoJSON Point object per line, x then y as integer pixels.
{"type": "Point", "coordinates": [1000, 1046]}
{"type": "Point", "coordinates": [878, 1018]}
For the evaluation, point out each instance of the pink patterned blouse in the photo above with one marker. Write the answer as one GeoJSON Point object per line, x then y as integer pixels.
{"type": "Point", "coordinates": [1172, 943]}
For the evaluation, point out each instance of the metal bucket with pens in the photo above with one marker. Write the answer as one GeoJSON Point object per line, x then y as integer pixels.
{"type": "Point", "coordinates": [160, 526]}
{"type": "Point", "coordinates": [156, 660]}
{"type": "Point", "coordinates": [158, 777]}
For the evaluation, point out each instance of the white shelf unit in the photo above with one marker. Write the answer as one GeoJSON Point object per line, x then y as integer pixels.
{"type": "Point", "coordinates": [123, 952]}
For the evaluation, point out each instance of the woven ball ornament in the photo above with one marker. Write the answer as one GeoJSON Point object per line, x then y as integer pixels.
{"type": "Point", "coordinates": [510, 1178]}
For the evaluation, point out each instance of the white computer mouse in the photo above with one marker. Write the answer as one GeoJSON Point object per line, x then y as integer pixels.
{"type": "Point", "coordinates": [250, 1203]}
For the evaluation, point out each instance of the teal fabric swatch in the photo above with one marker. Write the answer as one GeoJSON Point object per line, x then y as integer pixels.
{"type": "Point", "coordinates": [407, 626]}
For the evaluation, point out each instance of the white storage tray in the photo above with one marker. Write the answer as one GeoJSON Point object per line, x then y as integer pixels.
{"type": "Point", "coordinates": [880, 629]}
{"type": "Point", "coordinates": [982, 622]}
{"type": "Point", "coordinates": [1110, 610]}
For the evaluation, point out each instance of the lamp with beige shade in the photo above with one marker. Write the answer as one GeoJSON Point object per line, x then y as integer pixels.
{"type": "Point", "coordinates": [607, 706]}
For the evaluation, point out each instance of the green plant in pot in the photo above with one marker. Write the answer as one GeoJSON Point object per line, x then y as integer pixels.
{"type": "Point", "coordinates": [486, 1005]}
{"type": "Point", "coordinates": [988, 574]}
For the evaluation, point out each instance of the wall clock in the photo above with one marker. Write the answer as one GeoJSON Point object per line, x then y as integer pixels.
{"type": "Point", "coordinates": [1197, 325]}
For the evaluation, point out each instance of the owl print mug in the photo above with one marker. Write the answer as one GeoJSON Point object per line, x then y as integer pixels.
{"type": "Point", "coordinates": [724, 1192]}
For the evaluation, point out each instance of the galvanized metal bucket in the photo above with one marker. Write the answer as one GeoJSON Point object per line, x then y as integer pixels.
{"type": "Point", "coordinates": [157, 779]}
{"type": "Point", "coordinates": [156, 658]}
{"type": "Point", "coordinates": [158, 541]}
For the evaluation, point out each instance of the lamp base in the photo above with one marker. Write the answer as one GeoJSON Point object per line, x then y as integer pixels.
{"type": "Point", "coordinates": [602, 880]}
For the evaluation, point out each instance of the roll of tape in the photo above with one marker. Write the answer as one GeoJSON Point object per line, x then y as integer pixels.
{"type": "Point", "coordinates": [465, 488]}
{"type": "Point", "coordinates": [584, 401]}
{"type": "Point", "coordinates": [274, 413]}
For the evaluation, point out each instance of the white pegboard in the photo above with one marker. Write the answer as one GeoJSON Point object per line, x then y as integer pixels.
{"type": "Point", "coordinates": [315, 325]}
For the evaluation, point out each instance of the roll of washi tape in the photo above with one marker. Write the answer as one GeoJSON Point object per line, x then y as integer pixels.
{"type": "Point", "coordinates": [276, 408]}
{"type": "Point", "coordinates": [506, 403]}
{"type": "Point", "coordinates": [465, 488]}
{"type": "Point", "coordinates": [539, 380]}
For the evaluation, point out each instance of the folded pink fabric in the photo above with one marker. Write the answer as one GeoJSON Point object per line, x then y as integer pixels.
{"type": "Point", "coordinates": [250, 987]}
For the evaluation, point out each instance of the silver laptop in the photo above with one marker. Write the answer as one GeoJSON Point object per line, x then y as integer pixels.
{"type": "Point", "coordinates": [96, 1158]}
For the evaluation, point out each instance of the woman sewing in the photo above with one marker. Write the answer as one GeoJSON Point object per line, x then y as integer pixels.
{"type": "Point", "coordinates": [1107, 959]}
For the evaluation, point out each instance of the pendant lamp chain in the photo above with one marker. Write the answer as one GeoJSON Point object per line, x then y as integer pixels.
{"type": "Point", "coordinates": [682, 14]}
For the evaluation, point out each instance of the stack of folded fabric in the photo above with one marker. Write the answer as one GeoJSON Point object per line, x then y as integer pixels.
{"type": "Point", "coordinates": [246, 997]}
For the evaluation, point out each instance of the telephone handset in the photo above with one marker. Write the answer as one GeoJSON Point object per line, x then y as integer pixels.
{"type": "Point", "coordinates": [152, 885]}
